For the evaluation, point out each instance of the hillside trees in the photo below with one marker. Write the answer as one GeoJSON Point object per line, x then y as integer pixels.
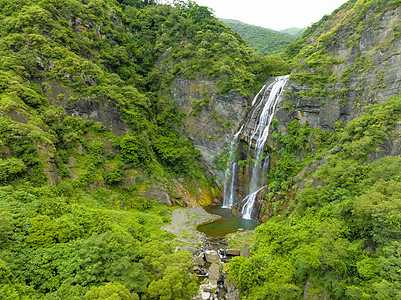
{"type": "Point", "coordinates": [341, 235]}
{"type": "Point", "coordinates": [86, 236]}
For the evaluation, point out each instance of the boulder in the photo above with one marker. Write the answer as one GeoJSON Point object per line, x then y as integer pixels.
{"type": "Point", "coordinates": [212, 256]}
{"type": "Point", "coordinates": [233, 252]}
{"type": "Point", "coordinates": [229, 285]}
{"type": "Point", "coordinates": [199, 259]}
{"type": "Point", "coordinates": [214, 272]}
{"type": "Point", "coordinates": [192, 250]}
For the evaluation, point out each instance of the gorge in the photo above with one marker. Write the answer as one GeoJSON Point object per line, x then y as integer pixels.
{"type": "Point", "coordinates": [121, 120]}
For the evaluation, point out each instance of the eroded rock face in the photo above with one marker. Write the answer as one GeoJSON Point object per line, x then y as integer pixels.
{"type": "Point", "coordinates": [99, 111]}
{"type": "Point", "coordinates": [368, 71]}
{"type": "Point", "coordinates": [211, 118]}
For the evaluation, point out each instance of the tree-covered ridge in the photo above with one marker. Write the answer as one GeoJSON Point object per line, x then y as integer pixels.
{"type": "Point", "coordinates": [264, 40]}
{"type": "Point", "coordinates": [293, 31]}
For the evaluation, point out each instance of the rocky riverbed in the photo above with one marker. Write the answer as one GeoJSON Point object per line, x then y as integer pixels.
{"type": "Point", "coordinates": [210, 254]}
{"type": "Point", "coordinates": [184, 222]}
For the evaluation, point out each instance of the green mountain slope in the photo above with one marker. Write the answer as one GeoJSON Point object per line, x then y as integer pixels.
{"type": "Point", "coordinates": [294, 32]}
{"type": "Point", "coordinates": [333, 207]}
{"type": "Point", "coordinates": [87, 127]}
{"type": "Point", "coordinates": [261, 39]}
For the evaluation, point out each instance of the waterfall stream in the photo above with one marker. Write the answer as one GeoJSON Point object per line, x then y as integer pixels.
{"type": "Point", "coordinates": [231, 171]}
{"type": "Point", "coordinates": [263, 107]}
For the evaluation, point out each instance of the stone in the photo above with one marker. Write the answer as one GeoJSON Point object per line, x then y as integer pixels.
{"type": "Point", "coordinates": [192, 250]}
{"type": "Point", "coordinates": [229, 285]}
{"type": "Point", "coordinates": [245, 251]}
{"type": "Point", "coordinates": [157, 193]}
{"type": "Point", "coordinates": [199, 259]}
{"type": "Point", "coordinates": [233, 252]}
{"type": "Point", "coordinates": [207, 122]}
{"type": "Point", "coordinates": [214, 272]}
{"type": "Point", "coordinates": [233, 296]}
{"type": "Point", "coordinates": [212, 256]}
{"type": "Point", "coordinates": [205, 295]}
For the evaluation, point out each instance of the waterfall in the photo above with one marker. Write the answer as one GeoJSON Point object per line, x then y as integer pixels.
{"type": "Point", "coordinates": [231, 171]}
{"type": "Point", "coordinates": [261, 133]}
{"type": "Point", "coordinates": [249, 200]}
{"type": "Point", "coordinates": [262, 111]}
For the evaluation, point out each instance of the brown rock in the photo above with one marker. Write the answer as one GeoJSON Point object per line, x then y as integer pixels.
{"type": "Point", "coordinates": [212, 256]}
{"type": "Point", "coordinates": [233, 252]}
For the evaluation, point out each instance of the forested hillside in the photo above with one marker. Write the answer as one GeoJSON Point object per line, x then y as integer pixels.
{"type": "Point", "coordinates": [293, 31]}
{"type": "Point", "coordinates": [261, 39]}
{"type": "Point", "coordinates": [87, 126]}
{"type": "Point", "coordinates": [333, 209]}
{"type": "Point", "coordinates": [106, 108]}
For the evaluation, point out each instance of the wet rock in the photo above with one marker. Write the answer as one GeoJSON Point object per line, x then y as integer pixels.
{"type": "Point", "coordinates": [199, 259]}
{"type": "Point", "coordinates": [212, 256]}
{"type": "Point", "coordinates": [204, 128]}
{"type": "Point", "coordinates": [233, 252]}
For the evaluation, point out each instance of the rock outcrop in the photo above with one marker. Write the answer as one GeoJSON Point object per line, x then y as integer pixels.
{"type": "Point", "coordinates": [211, 117]}
{"type": "Point", "coordinates": [366, 69]}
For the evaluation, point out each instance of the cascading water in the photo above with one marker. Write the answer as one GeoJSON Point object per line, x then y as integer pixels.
{"type": "Point", "coordinates": [263, 107]}
{"type": "Point", "coordinates": [261, 132]}
{"type": "Point", "coordinates": [231, 171]}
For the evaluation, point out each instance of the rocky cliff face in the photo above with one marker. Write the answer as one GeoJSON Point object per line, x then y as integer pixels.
{"type": "Point", "coordinates": [211, 118]}
{"type": "Point", "coordinates": [364, 44]}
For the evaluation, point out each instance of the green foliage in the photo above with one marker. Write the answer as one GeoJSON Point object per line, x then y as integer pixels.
{"type": "Point", "coordinates": [222, 160]}
{"type": "Point", "coordinates": [10, 168]}
{"type": "Point", "coordinates": [110, 290]}
{"type": "Point", "coordinates": [172, 279]}
{"type": "Point", "coordinates": [344, 231]}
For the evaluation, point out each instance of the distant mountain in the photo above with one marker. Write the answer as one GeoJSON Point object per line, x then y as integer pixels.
{"type": "Point", "coordinates": [293, 31]}
{"type": "Point", "coordinates": [261, 39]}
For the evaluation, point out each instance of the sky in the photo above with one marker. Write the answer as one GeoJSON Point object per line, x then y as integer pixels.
{"type": "Point", "coordinates": [277, 15]}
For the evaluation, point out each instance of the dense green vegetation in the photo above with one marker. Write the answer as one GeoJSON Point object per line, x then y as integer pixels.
{"type": "Point", "coordinates": [264, 40]}
{"type": "Point", "coordinates": [337, 238]}
{"type": "Point", "coordinates": [342, 232]}
{"type": "Point", "coordinates": [73, 223]}
{"type": "Point", "coordinates": [293, 31]}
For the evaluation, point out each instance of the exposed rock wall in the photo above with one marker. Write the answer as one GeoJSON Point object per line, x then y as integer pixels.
{"type": "Point", "coordinates": [368, 71]}
{"type": "Point", "coordinates": [211, 126]}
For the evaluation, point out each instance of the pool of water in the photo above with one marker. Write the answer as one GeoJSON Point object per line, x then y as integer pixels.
{"type": "Point", "coordinates": [227, 224]}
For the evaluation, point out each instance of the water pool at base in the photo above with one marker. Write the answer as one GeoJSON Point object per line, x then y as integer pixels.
{"type": "Point", "coordinates": [227, 224]}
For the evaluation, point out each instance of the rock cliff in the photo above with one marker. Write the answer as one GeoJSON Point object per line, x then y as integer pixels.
{"type": "Point", "coordinates": [211, 118]}
{"type": "Point", "coordinates": [354, 62]}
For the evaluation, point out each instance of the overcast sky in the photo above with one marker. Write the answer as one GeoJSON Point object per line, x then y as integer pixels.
{"type": "Point", "coordinates": [277, 15]}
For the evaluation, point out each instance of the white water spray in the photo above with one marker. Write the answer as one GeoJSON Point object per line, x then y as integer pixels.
{"type": "Point", "coordinates": [261, 132]}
